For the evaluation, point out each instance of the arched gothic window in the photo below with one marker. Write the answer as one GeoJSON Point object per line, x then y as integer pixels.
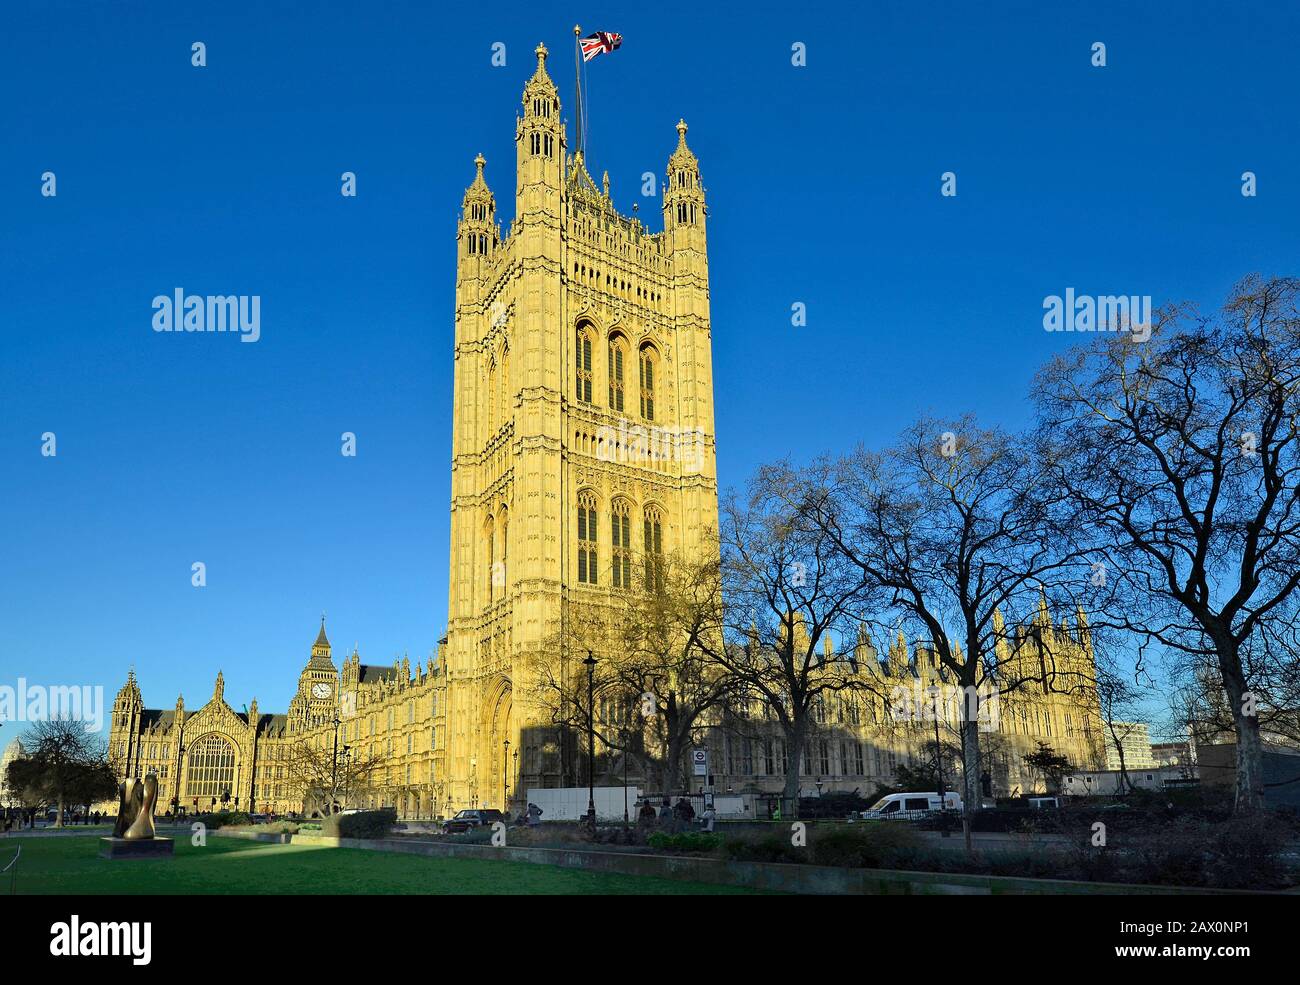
{"type": "Point", "coordinates": [587, 563]}
{"type": "Point", "coordinates": [616, 359]}
{"type": "Point", "coordinates": [648, 383]}
{"type": "Point", "coordinates": [621, 544]}
{"type": "Point", "coordinates": [653, 544]}
{"type": "Point", "coordinates": [503, 414]}
{"type": "Point", "coordinates": [582, 350]}
{"type": "Point", "coordinates": [488, 533]}
{"type": "Point", "coordinates": [211, 768]}
{"type": "Point", "coordinates": [505, 550]}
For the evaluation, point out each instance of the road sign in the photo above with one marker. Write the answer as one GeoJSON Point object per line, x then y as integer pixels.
{"type": "Point", "coordinates": [700, 762]}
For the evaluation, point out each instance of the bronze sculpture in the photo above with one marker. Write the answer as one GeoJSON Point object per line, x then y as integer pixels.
{"type": "Point", "coordinates": [135, 808]}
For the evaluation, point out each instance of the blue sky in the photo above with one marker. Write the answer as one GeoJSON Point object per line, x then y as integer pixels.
{"type": "Point", "coordinates": [823, 186]}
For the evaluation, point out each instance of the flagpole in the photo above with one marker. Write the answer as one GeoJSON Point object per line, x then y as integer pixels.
{"type": "Point", "coordinates": [577, 85]}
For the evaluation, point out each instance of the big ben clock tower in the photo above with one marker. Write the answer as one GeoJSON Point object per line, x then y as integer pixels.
{"type": "Point", "coordinates": [317, 699]}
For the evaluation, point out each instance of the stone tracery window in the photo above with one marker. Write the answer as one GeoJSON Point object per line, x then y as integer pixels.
{"type": "Point", "coordinates": [653, 545]}
{"type": "Point", "coordinates": [616, 360]}
{"type": "Point", "coordinates": [648, 383]}
{"type": "Point", "coordinates": [488, 533]}
{"type": "Point", "coordinates": [505, 548]}
{"type": "Point", "coordinates": [582, 353]}
{"type": "Point", "coordinates": [587, 554]}
{"type": "Point", "coordinates": [621, 541]}
{"type": "Point", "coordinates": [211, 768]}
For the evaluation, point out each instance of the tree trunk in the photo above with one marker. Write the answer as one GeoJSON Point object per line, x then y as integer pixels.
{"type": "Point", "coordinates": [1125, 783]}
{"type": "Point", "coordinates": [973, 792]}
{"type": "Point", "coordinates": [794, 740]}
{"type": "Point", "coordinates": [1250, 763]}
{"type": "Point", "coordinates": [1250, 754]}
{"type": "Point", "coordinates": [672, 757]}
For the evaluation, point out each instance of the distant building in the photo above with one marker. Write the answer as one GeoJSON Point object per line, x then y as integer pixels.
{"type": "Point", "coordinates": [1218, 765]}
{"type": "Point", "coordinates": [1135, 737]}
{"type": "Point", "coordinates": [12, 751]}
{"type": "Point", "coordinates": [1110, 783]}
{"type": "Point", "coordinates": [1173, 753]}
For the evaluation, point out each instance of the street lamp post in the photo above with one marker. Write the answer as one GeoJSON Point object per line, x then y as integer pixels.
{"type": "Point", "coordinates": [334, 768]}
{"type": "Point", "coordinates": [626, 738]}
{"type": "Point", "coordinates": [346, 752]}
{"type": "Point", "coordinates": [505, 777]}
{"type": "Point", "coordinates": [590, 663]}
{"type": "Point", "coordinates": [176, 798]}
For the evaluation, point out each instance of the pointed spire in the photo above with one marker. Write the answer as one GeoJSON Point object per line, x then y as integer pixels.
{"type": "Point", "coordinates": [219, 689]}
{"type": "Point", "coordinates": [682, 156]}
{"type": "Point", "coordinates": [1044, 616]}
{"type": "Point", "coordinates": [540, 79]}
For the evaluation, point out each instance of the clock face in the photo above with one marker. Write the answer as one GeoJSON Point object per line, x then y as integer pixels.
{"type": "Point", "coordinates": [320, 690]}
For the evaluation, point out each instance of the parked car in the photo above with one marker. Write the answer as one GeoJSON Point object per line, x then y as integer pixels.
{"type": "Point", "coordinates": [911, 806]}
{"type": "Point", "coordinates": [464, 820]}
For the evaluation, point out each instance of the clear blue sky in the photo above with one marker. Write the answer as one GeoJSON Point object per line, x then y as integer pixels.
{"type": "Point", "coordinates": [823, 186]}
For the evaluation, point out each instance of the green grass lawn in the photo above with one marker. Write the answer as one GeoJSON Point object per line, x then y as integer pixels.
{"type": "Point", "coordinates": [228, 865]}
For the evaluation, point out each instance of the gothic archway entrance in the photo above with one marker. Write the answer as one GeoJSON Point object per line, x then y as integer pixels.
{"type": "Point", "coordinates": [500, 751]}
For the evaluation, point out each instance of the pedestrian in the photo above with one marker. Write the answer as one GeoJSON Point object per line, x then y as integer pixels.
{"type": "Point", "coordinates": [645, 818]}
{"type": "Point", "coordinates": [707, 818]}
{"type": "Point", "coordinates": [666, 814]}
{"type": "Point", "coordinates": [534, 815]}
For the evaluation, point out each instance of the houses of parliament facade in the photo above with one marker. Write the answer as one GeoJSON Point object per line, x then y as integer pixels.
{"type": "Point", "coordinates": [582, 443]}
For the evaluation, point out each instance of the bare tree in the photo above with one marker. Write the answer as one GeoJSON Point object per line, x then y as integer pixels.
{"type": "Point", "coordinates": [658, 676]}
{"type": "Point", "coordinates": [787, 589]}
{"type": "Point", "coordinates": [1180, 453]}
{"type": "Point", "coordinates": [1199, 708]}
{"type": "Point", "coordinates": [63, 754]}
{"type": "Point", "coordinates": [330, 780]}
{"type": "Point", "coordinates": [958, 528]}
{"type": "Point", "coordinates": [1119, 697]}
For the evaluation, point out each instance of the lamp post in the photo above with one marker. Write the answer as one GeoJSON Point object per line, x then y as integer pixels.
{"type": "Point", "coordinates": [590, 663]}
{"type": "Point", "coordinates": [346, 751]}
{"type": "Point", "coordinates": [505, 777]}
{"type": "Point", "coordinates": [176, 798]}
{"type": "Point", "coordinates": [626, 739]}
{"type": "Point", "coordinates": [334, 768]}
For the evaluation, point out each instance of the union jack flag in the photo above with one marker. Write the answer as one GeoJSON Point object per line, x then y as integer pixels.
{"type": "Point", "coordinates": [599, 43]}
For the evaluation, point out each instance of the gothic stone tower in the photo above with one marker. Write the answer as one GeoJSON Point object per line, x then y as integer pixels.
{"type": "Point", "coordinates": [582, 436]}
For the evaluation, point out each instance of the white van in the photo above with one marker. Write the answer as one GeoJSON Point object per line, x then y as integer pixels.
{"type": "Point", "coordinates": [911, 806]}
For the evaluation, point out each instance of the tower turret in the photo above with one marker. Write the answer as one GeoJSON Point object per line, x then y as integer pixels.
{"type": "Point", "coordinates": [477, 234]}
{"type": "Point", "coordinates": [317, 685]}
{"type": "Point", "coordinates": [124, 744]}
{"type": "Point", "coordinates": [539, 147]}
{"type": "Point", "coordinates": [684, 211]}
